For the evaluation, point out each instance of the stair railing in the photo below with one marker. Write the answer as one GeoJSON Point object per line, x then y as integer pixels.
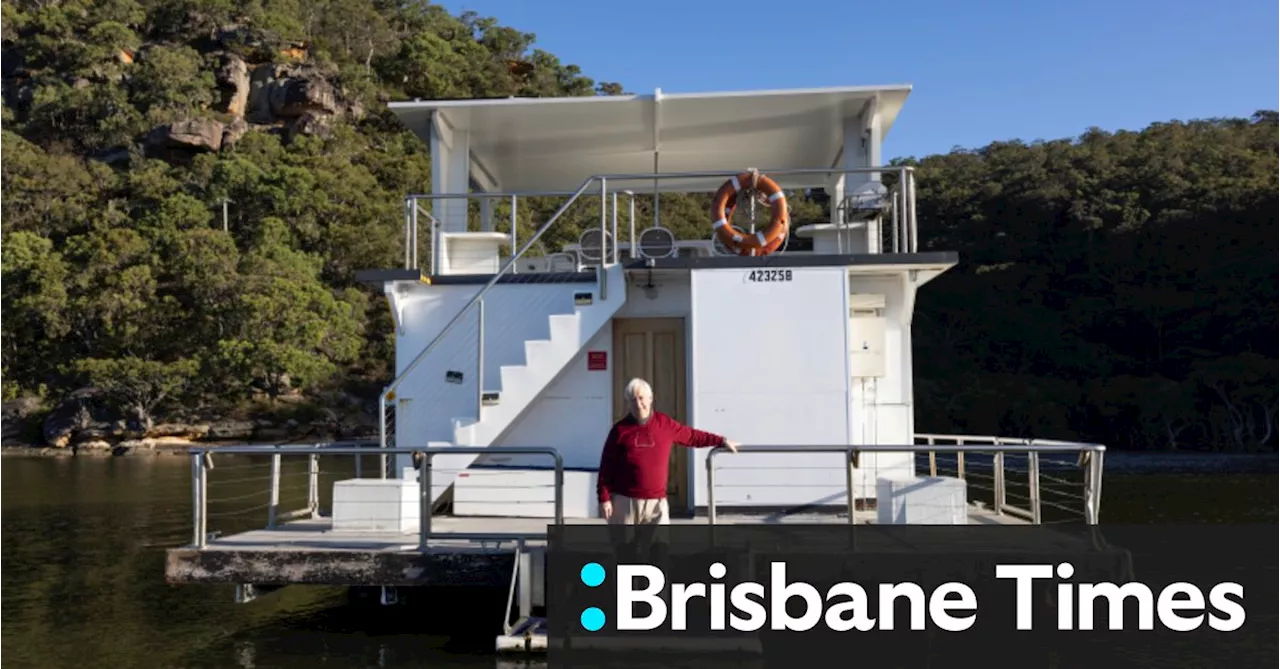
{"type": "Point", "coordinates": [388, 395]}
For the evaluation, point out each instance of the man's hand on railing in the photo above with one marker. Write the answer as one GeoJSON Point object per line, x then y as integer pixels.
{"type": "Point", "coordinates": [731, 445]}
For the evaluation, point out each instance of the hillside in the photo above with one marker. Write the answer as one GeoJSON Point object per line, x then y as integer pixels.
{"type": "Point", "coordinates": [1115, 288]}
{"type": "Point", "coordinates": [1119, 288]}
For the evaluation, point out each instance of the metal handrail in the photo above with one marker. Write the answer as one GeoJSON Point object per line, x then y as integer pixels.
{"type": "Point", "coordinates": [906, 178]}
{"type": "Point", "coordinates": [1091, 460]}
{"type": "Point", "coordinates": [486, 194]}
{"type": "Point", "coordinates": [1009, 440]}
{"type": "Point", "coordinates": [479, 296]}
{"type": "Point", "coordinates": [710, 174]}
{"type": "Point", "coordinates": [671, 175]}
{"type": "Point", "coordinates": [1091, 456]}
{"type": "Point", "coordinates": [200, 465]}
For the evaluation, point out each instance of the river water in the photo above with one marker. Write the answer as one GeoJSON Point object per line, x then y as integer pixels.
{"type": "Point", "coordinates": [83, 571]}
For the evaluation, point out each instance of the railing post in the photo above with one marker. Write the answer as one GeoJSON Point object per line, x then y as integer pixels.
{"type": "Point", "coordinates": [410, 208]}
{"type": "Point", "coordinates": [414, 248]}
{"type": "Point", "coordinates": [382, 435]}
{"type": "Point", "coordinates": [604, 219]}
{"type": "Point", "coordinates": [273, 500]}
{"type": "Point", "coordinates": [424, 502]}
{"type": "Point", "coordinates": [434, 259]}
{"type": "Point", "coordinates": [559, 488]}
{"type": "Point", "coordinates": [633, 252]}
{"type": "Point", "coordinates": [905, 210]}
{"type": "Point", "coordinates": [313, 484]}
{"type": "Point", "coordinates": [894, 227]}
{"type": "Point", "coordinates": [479, 358]}
{"type": "Point", "coordinates": [998, 480]}
{"type": "Point", "coordinates": [615, 228]}
{"type": "Point", "coordinates": [203, 529]}
{"type": "Point", "coordinates": [514, 227]}
{"type": "Point", "coordinates": [197, 509]}
{"type": "Point", "coordinates": [1033, 480]}
{"type": "Point", "coordinates": [1097, 488]}
{"type": "Point", "coordinates": [711, 486]}
{"type": "Point", "coordinates": [1092, 486]}
{"type": "Point", "coordinates": [911, 220]}
{"type": "Point", "coordinates": [848, 472]}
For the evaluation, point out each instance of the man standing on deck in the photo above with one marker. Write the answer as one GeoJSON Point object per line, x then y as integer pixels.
{"type": "Point", "coordinates": [632, 482]}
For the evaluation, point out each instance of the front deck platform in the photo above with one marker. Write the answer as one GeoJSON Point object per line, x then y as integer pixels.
{"type": "Point", "coordinates": [310, 552]}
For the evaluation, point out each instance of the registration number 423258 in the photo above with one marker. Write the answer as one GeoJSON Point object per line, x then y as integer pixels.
{"type": "Point", "coordinates": [768, 275]}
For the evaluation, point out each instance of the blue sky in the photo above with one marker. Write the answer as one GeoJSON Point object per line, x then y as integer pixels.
{"type": "Point", "coordinates": [981, 71]}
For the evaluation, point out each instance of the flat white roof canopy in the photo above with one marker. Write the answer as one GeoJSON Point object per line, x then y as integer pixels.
{"type": "Point", "coordinates": [554, 144]}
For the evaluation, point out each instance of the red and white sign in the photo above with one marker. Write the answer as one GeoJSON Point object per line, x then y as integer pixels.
{"type": "Point", "coordinates": [597, 361]}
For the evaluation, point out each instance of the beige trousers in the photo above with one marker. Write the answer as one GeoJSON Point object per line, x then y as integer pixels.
{"type": "Point", "coordinates": [631, 511]}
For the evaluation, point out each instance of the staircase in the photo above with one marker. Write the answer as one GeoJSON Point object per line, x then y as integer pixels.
{"type": "Point", "coordinates": [508, 393]}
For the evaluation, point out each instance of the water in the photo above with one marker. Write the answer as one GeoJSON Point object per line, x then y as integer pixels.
{"type": "Point", "coordinates": [83, 572]}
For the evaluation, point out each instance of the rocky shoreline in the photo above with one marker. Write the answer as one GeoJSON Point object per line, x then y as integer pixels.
{"type": "Point", "coordinates": [148, 447]}
{"type": "Point", "coordinates": [83, 424]}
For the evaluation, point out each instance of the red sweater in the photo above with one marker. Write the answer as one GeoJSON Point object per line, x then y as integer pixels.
{"type": "Point", "coordinates": [634, 460]}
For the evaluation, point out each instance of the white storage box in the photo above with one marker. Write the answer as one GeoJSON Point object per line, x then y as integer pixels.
{"type": "Point", "coordinates": [523, 493]}
{"type": "Point", "coordinates": [921, 500]}
{"type": "Point", "coordinates": [372, 505]}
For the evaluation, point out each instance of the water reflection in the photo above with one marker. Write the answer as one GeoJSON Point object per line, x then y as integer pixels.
{"type": "Point", "coordinates": [348, 633]}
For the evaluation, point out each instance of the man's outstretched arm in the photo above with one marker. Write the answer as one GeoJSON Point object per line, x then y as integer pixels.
{"type": "Point", "coordinates": [695, 438]}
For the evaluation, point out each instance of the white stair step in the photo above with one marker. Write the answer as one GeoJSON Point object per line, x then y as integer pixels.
{"type": "Point", "coordinates": [463, 429]}
{"type": "Point", "coordinates": [544, 360]}
{"type": "Point", "coordinates": [537, 349]}
{"type": "Point", "coordinates": [514, 378]}
{"type": "Point", "coordinates": [565, 330]}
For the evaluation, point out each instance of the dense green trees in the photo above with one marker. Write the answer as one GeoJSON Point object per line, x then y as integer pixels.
{"type": "Point", "coordinates": [1117, 288]}
{"type": "Point", "coordinates": [120, 271]}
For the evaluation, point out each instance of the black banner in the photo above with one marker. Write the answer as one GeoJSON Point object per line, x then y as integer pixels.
{"type": "Point", "coordinates": [913, 596]}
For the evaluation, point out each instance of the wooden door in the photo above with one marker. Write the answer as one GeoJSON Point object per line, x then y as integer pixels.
{"type": "Point", "coordinates": [653, 349]}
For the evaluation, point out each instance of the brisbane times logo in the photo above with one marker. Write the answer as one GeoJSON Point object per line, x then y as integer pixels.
{"type": "Point", "coordinates": [644, 599]}
{"type": "Point", "coordinates": [1163, 594]}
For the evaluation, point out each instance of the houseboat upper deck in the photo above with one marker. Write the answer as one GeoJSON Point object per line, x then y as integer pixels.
{"type": "Point", "coordinates": [488, 155]}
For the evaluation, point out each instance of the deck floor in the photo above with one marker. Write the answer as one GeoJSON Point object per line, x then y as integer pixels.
{"type": "Point", "coordinates": [318, 535]}
{"type": "Point", "coordinates": [479, 551]}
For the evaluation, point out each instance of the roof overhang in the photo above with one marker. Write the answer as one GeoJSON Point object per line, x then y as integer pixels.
{"type": "Point", "coordinates": [554, 144]}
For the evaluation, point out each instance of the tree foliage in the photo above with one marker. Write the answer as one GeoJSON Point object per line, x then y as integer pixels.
{"type": "Point", "coordinates": [1116, 287]}
{"type": "Point", "coordinates": [120, 271]}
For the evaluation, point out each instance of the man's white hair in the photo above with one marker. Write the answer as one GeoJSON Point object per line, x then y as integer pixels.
{"type": "Point", "coordinates": [637, 386]}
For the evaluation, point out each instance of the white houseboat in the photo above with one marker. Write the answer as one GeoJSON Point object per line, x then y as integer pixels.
{"type": "Point", "coordinates": [792, 337]}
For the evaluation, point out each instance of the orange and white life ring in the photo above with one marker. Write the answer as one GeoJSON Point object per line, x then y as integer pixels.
{"type": "Point", "coordinates": [725, 201]}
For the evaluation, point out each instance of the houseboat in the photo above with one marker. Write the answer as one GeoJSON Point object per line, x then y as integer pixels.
{"type": "Point", "coordinates": [542, 271]}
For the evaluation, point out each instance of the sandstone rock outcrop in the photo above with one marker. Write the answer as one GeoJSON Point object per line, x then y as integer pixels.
{"type": "Point", "coordinates": [286, 94]}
